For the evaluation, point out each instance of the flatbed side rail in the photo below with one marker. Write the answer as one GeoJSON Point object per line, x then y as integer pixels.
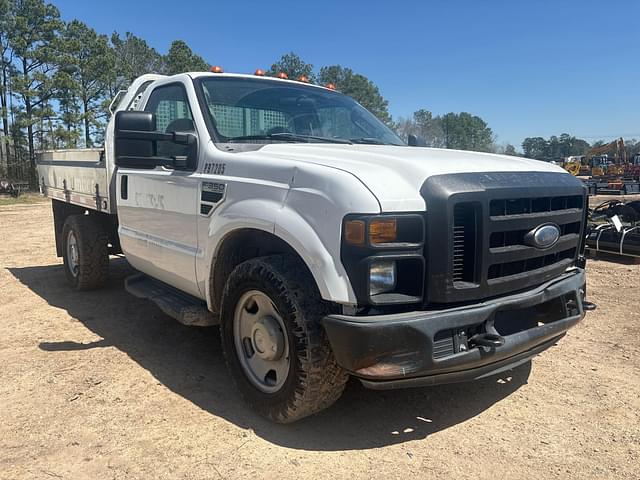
{"type": "Point", "coordinates": [78, 177]}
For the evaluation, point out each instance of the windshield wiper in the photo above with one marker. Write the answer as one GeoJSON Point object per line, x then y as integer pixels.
{"type": "Point", "coordinates": [289, 137]}
{"type": "Point", "coordinates": [369, 141]}
{"type": "Point", "coordinates": [258, 137]}
{"type": "Point", "coordinates": [298, 136]}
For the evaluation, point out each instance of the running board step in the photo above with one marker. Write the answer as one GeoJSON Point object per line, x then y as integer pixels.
{"type": "Point", "coordinates": [185, 308]}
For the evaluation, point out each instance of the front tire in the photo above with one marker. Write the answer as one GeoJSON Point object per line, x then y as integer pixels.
{"type": "Point", "coordinates": [85, 252]}
{"type": "Point", "coordinates": [275, 347]}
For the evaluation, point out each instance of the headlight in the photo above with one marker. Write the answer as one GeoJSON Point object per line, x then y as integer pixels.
{"type": "Point", "coordinates": [383, 231]}
{"type": "Point", "coordinates": [382, 277]}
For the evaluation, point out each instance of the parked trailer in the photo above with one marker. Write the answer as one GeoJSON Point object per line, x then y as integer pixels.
{"type": "Point", "coordinates": [620, 234]}
{"type": "Point", "coordinates": [13, 188]}
{"type": "Point", "coordinates": [605, 238]}
{"type": "Point", "coordinates": [612, 186]}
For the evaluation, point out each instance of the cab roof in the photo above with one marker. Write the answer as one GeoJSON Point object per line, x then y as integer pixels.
{"type": "Point", "coordinates": [195, 75]}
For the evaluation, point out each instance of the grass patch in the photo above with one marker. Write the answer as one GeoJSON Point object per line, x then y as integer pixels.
{"type": "Point", "coordinates": [24, 199]}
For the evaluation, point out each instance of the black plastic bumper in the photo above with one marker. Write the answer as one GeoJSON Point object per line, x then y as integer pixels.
{"type": "Point", "coordinates": [405, 350]}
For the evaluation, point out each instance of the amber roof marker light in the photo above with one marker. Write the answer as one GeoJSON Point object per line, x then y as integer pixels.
{"type": "Point", "coordinates": [282, 75]}
{"type": "Point", "coordinates": [330, 86]}
{"type": "Point", "coordinates": [217, 69]}
{"type": "Point", "coordinates": [259, 72]}
{"type": "Point", "coordinates": [303, 78]}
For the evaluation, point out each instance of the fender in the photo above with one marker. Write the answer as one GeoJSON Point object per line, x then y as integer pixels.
{"type": "Point", "coordinates": [258, 214]}
{"type": "Point", "coordinates": [290, 227]}
{"type": "Point", "coordinates": [303, 216]}
{"type": "Point", "coordinates": [310, 221]}
{"type": "Point", "coordinates": [325, 266]}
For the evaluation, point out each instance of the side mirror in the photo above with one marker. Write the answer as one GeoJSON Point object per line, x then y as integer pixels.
{"type": "Point", "coordinates": [136, 142]}
{"type": "Point", "coordinates": [415, 141]}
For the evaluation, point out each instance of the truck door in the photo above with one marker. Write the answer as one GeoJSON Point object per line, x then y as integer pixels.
{"type": "Point", "coordinates": [157, 208]}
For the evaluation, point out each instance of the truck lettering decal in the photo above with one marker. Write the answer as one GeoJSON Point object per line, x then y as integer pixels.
{"type": "Point", "coordinates": [214, 168]}
{"type": "Point", "coordinates": [149, 200]}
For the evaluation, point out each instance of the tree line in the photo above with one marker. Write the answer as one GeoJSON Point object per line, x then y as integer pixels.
{"type": "Point", "coordinates": [452, 130]}
{"type": "Point", "coordinates": [461, 131]}
{"type": "Point", "coordinates": [58, 78]}
{"type": "Point", "coordinates": [565, 145]}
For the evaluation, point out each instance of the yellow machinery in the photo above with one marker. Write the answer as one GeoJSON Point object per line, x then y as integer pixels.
{"type": "Point", "coordinates": [573, 167]}
{"type": "Point", "coordinates": [596, 161]}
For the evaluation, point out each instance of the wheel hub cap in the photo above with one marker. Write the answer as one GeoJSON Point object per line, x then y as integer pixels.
{"type": "Point", "coordinates": [268, 340]}
{"type": "Point", "coordinates": [261, 342]}
{"type": "Point", "coordinates": [72, 253]}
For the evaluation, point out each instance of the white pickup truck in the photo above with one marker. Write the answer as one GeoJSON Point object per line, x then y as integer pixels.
{"type": "Point", "coordinates": [321, 244]}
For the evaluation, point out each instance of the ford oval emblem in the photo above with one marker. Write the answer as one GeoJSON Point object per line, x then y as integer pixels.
{"type": "Point", "coordinates": [543, 236]}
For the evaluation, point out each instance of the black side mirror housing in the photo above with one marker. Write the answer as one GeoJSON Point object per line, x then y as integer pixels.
{"type": "Point", "coordinates": [415, 141]}
{"type": "Point", "coordinates": [125, 145]}
{"type": "Point", "coordinates": [136, 143]}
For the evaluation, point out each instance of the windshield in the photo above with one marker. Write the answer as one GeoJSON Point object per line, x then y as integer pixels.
{"type": "Point", "coordinates": [259, 110]}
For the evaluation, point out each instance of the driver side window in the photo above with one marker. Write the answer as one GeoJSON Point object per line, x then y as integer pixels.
{"type": "Point", "coordinates": [173, 114]}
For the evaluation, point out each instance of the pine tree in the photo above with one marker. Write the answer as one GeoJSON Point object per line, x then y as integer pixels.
{"type": "Point", "coordinates": [33, 43]}
{"type": "Point", "coordinates": [85, 69]}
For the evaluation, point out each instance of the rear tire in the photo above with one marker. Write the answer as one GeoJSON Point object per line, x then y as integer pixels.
{"type": "Point", "coordinates": [311, 380]}
{"type": "Point", "coordinates": [85, 252]}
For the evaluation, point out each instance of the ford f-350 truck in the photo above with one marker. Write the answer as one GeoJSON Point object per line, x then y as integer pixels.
{"type": "Point", "coordinates": [320, 243]}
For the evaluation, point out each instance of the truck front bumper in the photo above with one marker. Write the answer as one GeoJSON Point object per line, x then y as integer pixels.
{"type": "Point", "coordinates": [434, 347]}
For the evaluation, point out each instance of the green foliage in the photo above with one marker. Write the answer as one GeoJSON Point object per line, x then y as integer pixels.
{"type": "Point", "coordinates": [34, 46]}
{"type": "Point", "coordinates": [461, 131]}
{"type": "Point", "coordinates": [67, 131]}
{"type": "Point", "coordinates": [363, 90]}
{"type": "Point", "coordinates": [346, 81]}
{"type": "Point", "coordinates": [6, 68]}
{"type": "Point", "coordinates": [554, 148]}
{"type": "Point", "coordinates": [291, 64]}
{"type": "Point", "coordinates": [510, 150]}
{"type": "Point", "coordinates": [632, 147]}
{"type": "Point", "coordinates": [85, 66]}
{"type": "Point", "coordinates": [57, 79]}
{"type": "Point", "coordinates": [424, 125]}
{"type": "Point", "coordinates": [535, 147]}
{"type": "Point", "coordinates": [181, 59]}
{"type": "Point", "coordinates": [132, 57]}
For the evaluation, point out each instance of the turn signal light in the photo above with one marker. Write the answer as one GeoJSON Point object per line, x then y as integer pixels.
{"type": "Point", "coordinates": [383, 230]}
{"type": "Point", "coordinates": [330, 86]}
{"type": "Point", "coordinates": [259, 72]}
{"type": "Point", "coordinates": [282, 75]}
{"type": "Point", "coordinates": [354, 232]}
{"type": "Point", "coordinates": [217, 69]}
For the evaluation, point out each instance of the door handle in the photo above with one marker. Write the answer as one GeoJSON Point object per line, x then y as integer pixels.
{"type": "Point", "coordinates": [124, 187]}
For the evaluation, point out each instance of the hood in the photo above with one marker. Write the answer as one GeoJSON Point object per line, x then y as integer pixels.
{"type": "Point", "coordinates": [394, 174]}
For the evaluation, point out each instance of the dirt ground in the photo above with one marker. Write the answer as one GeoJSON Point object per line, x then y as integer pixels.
{"type": "Point", "coordinates": [102, 385]}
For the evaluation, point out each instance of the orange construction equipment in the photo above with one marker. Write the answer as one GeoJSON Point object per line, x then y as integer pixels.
{"type": "Point", "coordinates": [598, 159]}
{"type": "Point", "coordinates": [596, 162]}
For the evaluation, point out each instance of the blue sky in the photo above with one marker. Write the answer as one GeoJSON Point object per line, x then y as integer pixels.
{"type": "Point", "coordinates": [529, 68]}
